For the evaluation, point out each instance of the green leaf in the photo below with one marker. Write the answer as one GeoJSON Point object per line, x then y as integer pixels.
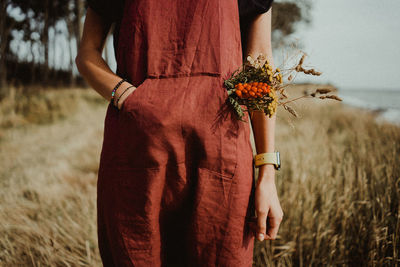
{"type": "Point", "coordinates": [231, 91]}
{"type": "Point", "coordinates": [229, 84]}
{"type": "Point", "coordinates": [237, 108]}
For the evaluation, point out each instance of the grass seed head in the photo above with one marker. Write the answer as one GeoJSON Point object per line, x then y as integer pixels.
{"type": "Point", "coordinates": [291, 110]}
{"type": "Point", "coordinates": [331, 97]}
{"type": "Point", "coordinates": [302, 60]}
{"type": "Point", "coordinates": [323, 90]}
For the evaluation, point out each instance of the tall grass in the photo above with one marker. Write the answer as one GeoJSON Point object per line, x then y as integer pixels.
{"type": "Point", "coordinates": [48, 175]}
{"type": "Point", "coordinates": [339, 185]}
{"type": "Point", "coordinates": [339, 189]}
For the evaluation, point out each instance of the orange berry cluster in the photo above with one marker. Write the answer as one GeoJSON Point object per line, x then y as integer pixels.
{"type": "Point", "coordinates": [252, 89]}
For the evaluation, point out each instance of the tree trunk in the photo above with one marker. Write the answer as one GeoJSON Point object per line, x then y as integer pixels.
{"type": "Point", "coordinates": [45, 43]}
{"type": "Point", "coordinates": [33, 73]}
{"type": "Point", "coordinates": [78, 27]}
{"type": "Point", "coordinates": [71, 35]}
{"type": "Point", "coordinates": [4, 31]}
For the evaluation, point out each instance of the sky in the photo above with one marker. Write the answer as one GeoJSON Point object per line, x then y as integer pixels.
{"type": "Point", "coordinates": [355, 43]}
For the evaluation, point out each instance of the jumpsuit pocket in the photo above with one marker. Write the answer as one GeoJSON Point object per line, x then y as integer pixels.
{"type": "Point", "coordinates": [216, 127]}
{"type": "Point", "coordinates": [125, 104]}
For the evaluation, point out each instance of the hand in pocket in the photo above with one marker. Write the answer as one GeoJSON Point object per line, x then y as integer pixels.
{"type": "Point", "coordinates": [122, 103]}
{"type": "Point", "coordinates": [125, 96]}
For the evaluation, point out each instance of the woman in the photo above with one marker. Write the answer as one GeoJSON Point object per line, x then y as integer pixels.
{"type": "Point", "coordinates": [176, 167]}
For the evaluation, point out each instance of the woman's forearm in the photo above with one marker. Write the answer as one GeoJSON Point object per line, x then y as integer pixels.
{"type": "Point", "coordinates": [96, 72]}
{"type": "Point", "coordinates": [259, 41]}
{"type": "Point", "coordinates": [89, 61]}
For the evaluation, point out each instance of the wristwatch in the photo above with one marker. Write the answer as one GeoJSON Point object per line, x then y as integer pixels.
{"type": "Point", "coordinates": [268, 158]}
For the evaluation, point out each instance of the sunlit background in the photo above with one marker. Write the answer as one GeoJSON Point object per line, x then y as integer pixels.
{"type": "Point", "coordinates": [356, 46]}
{"type": "Point", "coordinates": [355, 43]}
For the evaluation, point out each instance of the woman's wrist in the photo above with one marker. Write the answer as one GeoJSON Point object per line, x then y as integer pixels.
{"type": "Point", "coordinates": [266, 173]}
{"type": "Point", "coordinates": [121, 95]}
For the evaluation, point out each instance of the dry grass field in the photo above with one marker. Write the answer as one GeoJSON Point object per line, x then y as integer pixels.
{"type": "Point", "coordinates": [339, 185]}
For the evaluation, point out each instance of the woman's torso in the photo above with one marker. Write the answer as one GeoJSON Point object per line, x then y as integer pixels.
{"type": "Point", "coordinates": [174, 38]}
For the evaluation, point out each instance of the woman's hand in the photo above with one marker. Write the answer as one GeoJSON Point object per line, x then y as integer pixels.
{"type": "Point", "coordinates": [125, 95]}
{"type": "Point", "coordinates": [268, 208]}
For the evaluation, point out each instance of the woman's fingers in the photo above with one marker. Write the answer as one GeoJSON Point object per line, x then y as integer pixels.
{"type": "Point", "coordinates": [267, 226]}
{"type": "Point", "coordinates": [261, 225]}
{"type": "Point", "coordinates": [273, 226]}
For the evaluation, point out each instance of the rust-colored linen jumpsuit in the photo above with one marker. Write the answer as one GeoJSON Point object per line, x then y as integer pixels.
{"type": "Point", "coordinates": [176, 168]}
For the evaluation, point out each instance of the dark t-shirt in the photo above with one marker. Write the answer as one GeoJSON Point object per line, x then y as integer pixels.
{"type": "Point", "coordinates": [111, 11]}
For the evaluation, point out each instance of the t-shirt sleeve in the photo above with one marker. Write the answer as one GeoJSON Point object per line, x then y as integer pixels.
{"type": "Point", "coordinates": [109, 10]}
{"type": "Point", "coordinates": [248, 8]}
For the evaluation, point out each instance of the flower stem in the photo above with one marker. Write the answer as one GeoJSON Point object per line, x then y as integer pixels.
{"type": "Point", "coordinates": [284, 103]}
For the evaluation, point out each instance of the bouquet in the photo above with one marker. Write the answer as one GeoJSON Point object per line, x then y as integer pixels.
{"type": "Point", "coordinates": [257, 86]}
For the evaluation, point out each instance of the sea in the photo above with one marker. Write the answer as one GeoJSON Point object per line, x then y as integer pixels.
{"type": "Point", "coordinates": [385, 101]}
